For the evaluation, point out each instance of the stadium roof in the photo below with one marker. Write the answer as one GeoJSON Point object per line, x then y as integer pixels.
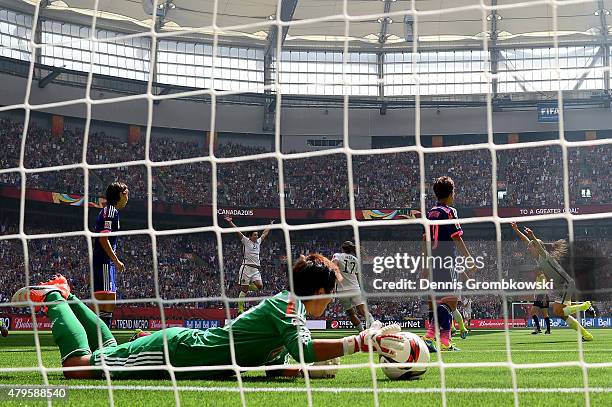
{"type": "Point", "coordinates": [437, 21]}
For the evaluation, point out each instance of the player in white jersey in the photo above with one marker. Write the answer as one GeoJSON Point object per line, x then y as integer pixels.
{"type": "Point", "coordinates": [249, 275]}
{"type": "Point", "coordinates": [547, 256]}
{"type": "Point", "coordinates": [349, 287]}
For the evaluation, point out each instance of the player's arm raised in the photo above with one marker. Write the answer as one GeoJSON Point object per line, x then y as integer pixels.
{"type": "Point", "coordinates": [519, 233]}
{"type": "Point", "coordinates": [232, 224]}
{"type": "Point", "coordinates": [535, 241]}
{"type": "Point", "coordinates": [266, 232]}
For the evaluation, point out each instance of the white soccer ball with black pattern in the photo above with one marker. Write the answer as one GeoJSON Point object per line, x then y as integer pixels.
{"type": "Point", "coordinates": [415, 351]}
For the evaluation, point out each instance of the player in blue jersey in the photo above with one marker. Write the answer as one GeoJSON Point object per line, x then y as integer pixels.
{"type": "Point", "coordinates": [105, 261]}
{"type": "Point", "coordinates": [446, 240]}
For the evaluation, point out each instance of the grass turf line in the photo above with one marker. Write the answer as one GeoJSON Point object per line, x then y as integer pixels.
{"type": "Point", "coordinates": [483, 346]}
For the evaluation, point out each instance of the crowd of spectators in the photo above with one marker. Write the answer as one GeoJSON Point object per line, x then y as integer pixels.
{"type": "Point", "coordinates": [167, 148]}
{"type": "Point", "coordinates": [471, 171]}
{"type": "Point", "coordinates": [534, 177]}
{"type": "Point", "coordinates": [188, 268]}
{"type": "Point", "coordinates": [386, 180]}
{"type": "Point", "coordinates": [317, 182]}
{"type": "Point", "coordinates": [252, 183]}
{"type": "Point", "coordinates": [590, 170]}
{"type": "Point", "coordinates": [188, 265]}
{"type": "Point", "coordinates": [188, 183]}
{"type": "Point", "coordinates": [531, 177]}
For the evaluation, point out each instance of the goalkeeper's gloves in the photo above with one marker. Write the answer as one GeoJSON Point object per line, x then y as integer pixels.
{"type": "Point", "coordinates": [384, 340]}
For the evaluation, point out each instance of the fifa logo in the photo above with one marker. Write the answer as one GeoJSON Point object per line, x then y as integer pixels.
{"type": "Point", "coordinates": [549, 111]}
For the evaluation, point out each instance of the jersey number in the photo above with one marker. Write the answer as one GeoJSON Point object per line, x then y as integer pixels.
{"type": "Point", "coordinates": [346, 266]}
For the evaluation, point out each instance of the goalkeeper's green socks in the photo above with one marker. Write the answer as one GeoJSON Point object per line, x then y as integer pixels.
{"type": "Point", "coordinates": [91, 323]}
{"type": "Point", "coordinates": [575, 325]}
{"type": "Point", "coordinates": [572, 309]}
{"type": "Point", "coordinates": [68, 333]}
{"type": "Point", "coordinates": [459, 318]}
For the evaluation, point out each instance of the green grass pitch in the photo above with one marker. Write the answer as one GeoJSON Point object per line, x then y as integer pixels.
{"type": "Point", "coordinates": [466, 386]}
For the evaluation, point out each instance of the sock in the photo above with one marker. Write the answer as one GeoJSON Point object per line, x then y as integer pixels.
{"type": "Point", "coordinates": [445, 337]}
{"type": "Point", "coordinates": [91, 323]}
{"type": "Point", "coordinates": [575, 325]}
{"type": "Point", "coordinates": [571, 309]}
{"type": "Point", "coordinates": [536, 322]}
{"type": "Point", "coordinates": [253, 287]}
{"type": "Point", "coordinates": [369, 319]}
{"type": "Point", "coordinates": [431, 331]}
{"type": "Point", "coordinates": [68, 333]}
{"type": "Point", "coordinates": [547, 321]}
{"type": "Point", "coordinates": [444, 321]}
{"type": "Point", "coordinates": [241, 303]}
{"type": "Point", "coordinates": [359, 326]}
{"type": "Point", "coordinates": [459, 318]}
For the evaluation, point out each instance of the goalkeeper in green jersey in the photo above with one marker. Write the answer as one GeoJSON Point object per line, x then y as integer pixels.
{"type": "Point", "coordinates": [266, 334]}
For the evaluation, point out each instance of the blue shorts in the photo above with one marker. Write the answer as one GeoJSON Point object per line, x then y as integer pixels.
{"type": "Point", "coordinates": [444, 275]}
{"type": "Point", "coordinates": [104, 277]}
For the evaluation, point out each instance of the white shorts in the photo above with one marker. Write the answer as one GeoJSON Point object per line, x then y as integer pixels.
{"type": "Point", "coordinates": [351, 301]}
{"type": "Point", "coordinates": [248, 274]}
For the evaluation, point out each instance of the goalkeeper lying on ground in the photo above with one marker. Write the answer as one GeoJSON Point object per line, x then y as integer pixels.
{"type": "Point", "coordinates": [265, 335]}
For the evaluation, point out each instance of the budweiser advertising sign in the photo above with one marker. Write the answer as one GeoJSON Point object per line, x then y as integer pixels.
{"type": "Point", "coordinates": [492, 323]}
{"type": "Point", "coordinates": [497, 323]}
{"type": "Point", "coordinates": [27, 324]}
{"type": "Point", "coordinates": [170, 323]}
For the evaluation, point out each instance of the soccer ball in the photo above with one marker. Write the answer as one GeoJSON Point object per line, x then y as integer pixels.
{"type": "Point", "coordinates": [415, 351]}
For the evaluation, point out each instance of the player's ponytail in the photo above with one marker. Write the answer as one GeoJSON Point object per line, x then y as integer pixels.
{"type": "Point", "coordinates": [557, 249]}
{"type": "Point", "coordinates": [314, 272]}
{"type": "Point", "coordinates": [349, 247]}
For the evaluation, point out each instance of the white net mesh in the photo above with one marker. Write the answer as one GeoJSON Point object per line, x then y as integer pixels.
{"type": "Point", "coordinates": [414, 81]}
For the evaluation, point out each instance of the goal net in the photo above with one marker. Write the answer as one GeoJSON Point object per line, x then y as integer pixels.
{"type": "Point", "coordinates": [345, 70]}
